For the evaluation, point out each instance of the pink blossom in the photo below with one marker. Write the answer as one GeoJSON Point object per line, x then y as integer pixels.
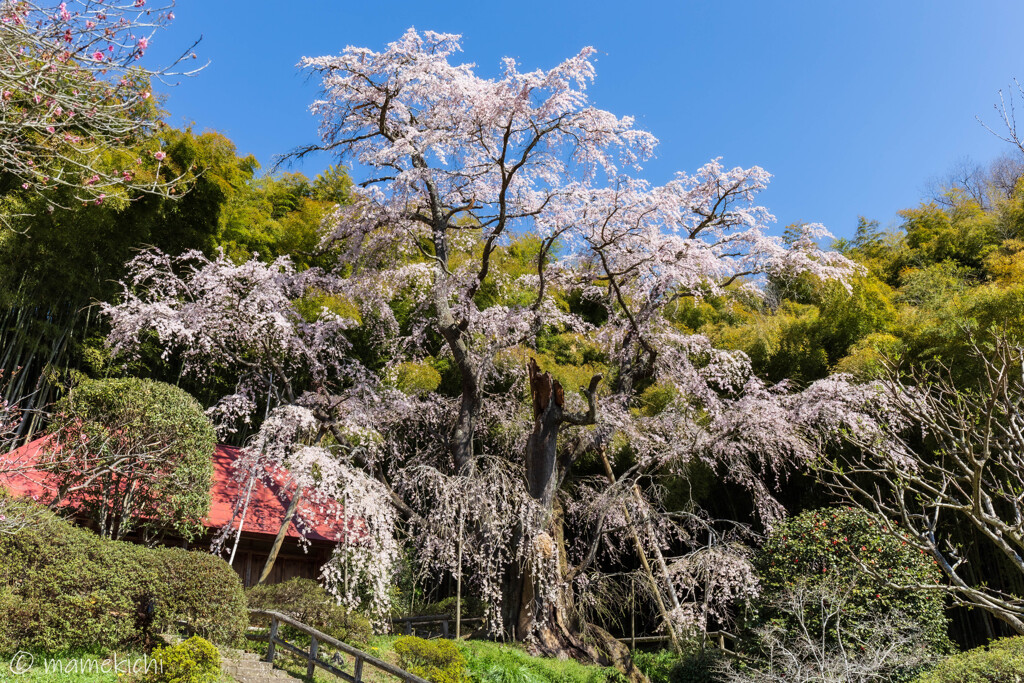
{"type": "Point", "coordinates": [98, 56]}
{"type": "Point", "coordinates": [159, 156]}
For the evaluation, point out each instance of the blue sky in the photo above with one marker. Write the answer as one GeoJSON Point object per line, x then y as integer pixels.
{"type": "Point", "coordinates": [853, 106]}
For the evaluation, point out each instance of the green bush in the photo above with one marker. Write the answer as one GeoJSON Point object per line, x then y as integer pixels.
{"type": "Point", "coordinates": [63, 588]}
{"type": "Point", "coordinates": [195, 660]}
{"type": "Point", "coordinates": [201, 589]}
{"type": "Point", "coordinates": [826, 547]}
{"type": "Point", "coordinates": [162, 441]}
{"type": "Point", "coordinates": [310, 603]}
{"type": "Point", "coordinates": [438, 661]}
{"type": "Point", "coordinates": [1002, 661]}
{"type": "Point", "coordinates": [693, 666]}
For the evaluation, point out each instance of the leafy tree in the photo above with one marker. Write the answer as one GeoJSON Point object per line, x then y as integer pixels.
{"type": "Point", "coordinates": [134, 455]}
{"type": "Point", "coordinates": [863, 560]}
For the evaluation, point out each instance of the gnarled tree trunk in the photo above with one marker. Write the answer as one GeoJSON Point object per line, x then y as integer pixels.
{"type": "Point", "coordinates": [550, 622]}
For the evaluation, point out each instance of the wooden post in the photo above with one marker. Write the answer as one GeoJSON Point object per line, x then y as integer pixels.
{"type": "Point", "coordinates": [458, 585]}
{"type": "Point", "coordinates": [444, 627]}
{"type": "Point", "coordinates": [281, 533]}
{"type": "Point", "coordinates": [311, 662]}
{"type": "Point", "coordinates": [632, 614]}
{"type": "Point", "coordinates": [408, 627]}
{"type": "Point", "coordinates": [270, 640]}
{"type": "Point", "coordinates": [357, 671]}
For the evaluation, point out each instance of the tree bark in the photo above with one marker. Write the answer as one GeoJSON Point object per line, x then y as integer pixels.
{"type": "Point", "coordinates": [554, 631]}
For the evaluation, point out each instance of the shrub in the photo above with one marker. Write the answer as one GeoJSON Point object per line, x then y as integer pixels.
{"type": "Point", "coordinates": [310, 603]}
{"type": "Point", "coordinates": [69, 591]}
{"type": "Point", "coordinates": [201, 589]}
{"type": "Point", "coordinates": [195, 660]}
{"type": "Point", "coordinates": [63, 588]}
{"type": "Point", "coordinates": [693, 666]}
{"type": "Point", "coordinates": [438, 661]}
{"type": "Point", "coordinates": [826, 548]}
{"type": "Point", "coordinates": [1002, 661]}
{"type": "Point", "coordinates": [162, 442]}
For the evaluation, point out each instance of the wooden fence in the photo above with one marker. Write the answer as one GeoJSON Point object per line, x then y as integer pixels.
{"type": "Point", "coordinates": [421, 625]}
{"type": "Point", "coordinates": [311, 655]}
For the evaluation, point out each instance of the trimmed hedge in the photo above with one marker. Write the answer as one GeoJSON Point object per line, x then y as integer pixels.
{"type": "Point", "coordinates": [195, 660]}
{"type": "Point", "coordinates": [201, 589]}
{"type": "Point", "coordinates": [65, 589]}
{"type": "Point", "coordinates": [438, 661]}
{"type": "Point", "coordinates": [1001, 661]}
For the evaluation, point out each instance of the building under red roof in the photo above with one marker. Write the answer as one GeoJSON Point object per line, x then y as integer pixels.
{"type": "Point", "coordinates": [268, 503]}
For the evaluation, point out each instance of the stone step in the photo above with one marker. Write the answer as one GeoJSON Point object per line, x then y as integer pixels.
{"type": "Point", "coordinates": [249, 668]}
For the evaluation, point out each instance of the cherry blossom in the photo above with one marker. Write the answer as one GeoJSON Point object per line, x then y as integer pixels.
{"type": "Point", "coordinates": [457, 166]}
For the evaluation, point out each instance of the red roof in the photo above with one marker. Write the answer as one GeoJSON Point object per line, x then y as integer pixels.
{"type": "Point", "coordinates": [268, 501]}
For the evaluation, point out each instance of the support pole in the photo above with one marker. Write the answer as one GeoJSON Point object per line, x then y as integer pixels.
{"type": "Point", "coordinates": [282, 532]}
{"type": "Point", "coordinates": [655, 589]}
{"type": "Point", "coordinates": [458, 583]}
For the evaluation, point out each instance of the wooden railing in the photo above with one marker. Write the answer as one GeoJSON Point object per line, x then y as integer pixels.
{"type": "Point", "coordinates": [408, 625]}
{"type": "Point", "coordinates": [311, 655]}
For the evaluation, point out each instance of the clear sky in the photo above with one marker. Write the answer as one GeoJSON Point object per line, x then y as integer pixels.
{"type": "Point", "coordinates": [853, 106]}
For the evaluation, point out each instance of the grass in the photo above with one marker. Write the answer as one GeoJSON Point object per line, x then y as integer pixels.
{"type": "Point", "coordinates": [27, 668]}
{"type": "Point", "coordinates": [44, 668]}
{"type": "Point", "coordinates": [488, 662]}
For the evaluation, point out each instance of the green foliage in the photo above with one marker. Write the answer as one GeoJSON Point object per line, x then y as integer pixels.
{"type": "Point", "coordinates": [281, 216]}
{"type": "Point", "coordinates": [438, 661]}
{"type": "Point", "coordinates": [65, 589]}
{"type": "Point", "coordinates": [200, 589]}
{"type": "Point", "coordinates": [168, 442]}
{"type": "Point", "coordinates": [1001, 661]}
{"type": "Point", "coordinates": [694, 666]}
{"type": "Point", "coordinates": [195, 660]}
{"type": "Point", "coordinates": [310, 603]}
{"type": "Point", "coordinates": [415, 378]}
{"type": "Point", "coordinates": [830, 546]}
